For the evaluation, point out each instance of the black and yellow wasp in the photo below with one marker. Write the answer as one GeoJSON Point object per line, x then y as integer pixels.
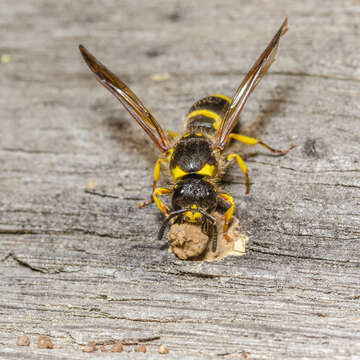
{"type": "Point", "coordinates": [195, 159]}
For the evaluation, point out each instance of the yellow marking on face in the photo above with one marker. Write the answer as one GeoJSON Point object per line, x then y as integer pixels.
{"type": "Point", "coordinates": [192, 217]}
{"type": "Point", "coordinates": [177, 172]}
{"type": "Point", "coordinates": [208, 113]}
{"type": "Point", "coordinates": [207, 170]}
{"type": "Point", "coordinates": [193, 206]}
{"type": "Point", "coordinates": [198, 134]}
{"type": "Point", "coordinates": [223, 97]}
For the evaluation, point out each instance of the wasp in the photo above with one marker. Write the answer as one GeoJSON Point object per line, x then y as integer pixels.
{"type": "Point", "coordinates": [195, 159]}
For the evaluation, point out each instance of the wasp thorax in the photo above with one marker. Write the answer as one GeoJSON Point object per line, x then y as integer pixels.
{"type": "Point", "coordinates": [193, 155]}
{"type": "Point", "coordinates": [195, 194]}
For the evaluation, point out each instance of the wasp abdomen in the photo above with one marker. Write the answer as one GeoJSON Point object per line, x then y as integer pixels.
{"type": "Point", "coordinates": [207, 113]}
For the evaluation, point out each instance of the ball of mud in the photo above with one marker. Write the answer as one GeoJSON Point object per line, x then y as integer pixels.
{"type": "Point", "coordinates": [187, 241]}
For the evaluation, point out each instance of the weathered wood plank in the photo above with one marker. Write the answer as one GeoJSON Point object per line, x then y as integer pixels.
{"type": "Point", "coordinates": [83, 267]}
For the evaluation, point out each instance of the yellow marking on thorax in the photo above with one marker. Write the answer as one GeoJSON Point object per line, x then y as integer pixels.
{"type": "Point", "coordinates": [177, 172]}
{"type": "Point", "coordinates": [197, 134]}
{"type": "Point", "coordinates": [208, 113]}
{"type": "Point", "coordinates": [223, 97]}
{"type": "Point", "coordinates": [207, 170]}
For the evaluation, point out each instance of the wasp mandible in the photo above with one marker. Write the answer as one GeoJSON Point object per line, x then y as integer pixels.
{"type": "Point", "coordinates": [195, 158]}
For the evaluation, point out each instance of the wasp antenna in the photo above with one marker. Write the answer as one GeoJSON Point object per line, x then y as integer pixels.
{"type": "Point", "coordinates": [214, 235]}
{"type": "Point", "coordinates": [166, 221]}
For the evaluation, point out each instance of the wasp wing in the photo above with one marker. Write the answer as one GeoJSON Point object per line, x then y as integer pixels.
{"type": "Point", "coordinates": [129, 100]}
{"type": "Point", "coordinates": [249, 83]}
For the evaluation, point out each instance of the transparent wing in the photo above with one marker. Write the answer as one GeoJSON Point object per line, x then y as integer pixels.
{"type": "Point", "coordinates": [128, 99]}
{"type": "Point", "coordinates": [249, 83]}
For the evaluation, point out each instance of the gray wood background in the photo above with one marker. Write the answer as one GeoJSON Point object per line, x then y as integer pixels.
{"type": "Point", "coordinates": [83, 267]}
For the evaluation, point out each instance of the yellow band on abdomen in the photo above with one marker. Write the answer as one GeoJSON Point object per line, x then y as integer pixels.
{"type": "Point", "coordinates": [224, 97]}
{"type": "Point", "coordinates": [207, 113]}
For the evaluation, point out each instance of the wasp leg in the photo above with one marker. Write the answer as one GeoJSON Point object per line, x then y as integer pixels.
{"type": "Point", "coordinates": [243, 168]}
{"type": "Point", "coordinates": [228, 214]}
{"type": "Point", "coordinates": [156, 177]}
{"type": "Point", "coordinates": [161, 206]}
{"type": "Point", "coordinates": [253, 141]}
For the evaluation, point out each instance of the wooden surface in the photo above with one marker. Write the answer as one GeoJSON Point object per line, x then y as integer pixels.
{"type": "Point", "coordinates": [83, 267]}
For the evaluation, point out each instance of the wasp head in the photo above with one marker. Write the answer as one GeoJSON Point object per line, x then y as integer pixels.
{"type": "Point", "coordinates": [193, 200]}
{"type": "Point", "coordinates": [196, 196]}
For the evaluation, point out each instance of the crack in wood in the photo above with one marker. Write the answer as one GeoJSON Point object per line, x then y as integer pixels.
{"type": "Point", "coordinates": [325, 171]}
{"type": "Point", "coordinates": [56, 232]}
{"type": "Point", "coordinates": [97, 193]}
{"type": "Point", "coordinates": [198, 275]}
{"type": "Point", "coordinates": [124, 341]}
{"type": "Point", "coordinates": [24, 263]}
{"type": "Point", "coordinates": [33, 151]}
{"type": "Point", "coordinates": [296, 256]}
{"type": "Point", "coordinates": [129, 341]}
{"type": "Point", "coordinates": [315, 236]}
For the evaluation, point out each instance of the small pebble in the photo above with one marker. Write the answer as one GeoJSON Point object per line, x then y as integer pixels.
{"type": "Point", "coordinates": [44, 342]}
{"type": "Point", "coordinates": [141, 348]}
{"type": "Point", "coordinates": [118, 347]}
{"type": "Point", "coordinates": [91, 184]}
{"type": "Point", "coordinates": [23, 340]}
{"type": "Point", "coordinates": [90, 347]}
{"type": "Point", "coordinates": [244, 355]}
{"type": "Point", "coordinates": [163, 349]}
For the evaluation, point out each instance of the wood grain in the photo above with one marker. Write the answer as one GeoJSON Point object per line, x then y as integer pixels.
{"type": "Point", "coordinates": [80, 266]}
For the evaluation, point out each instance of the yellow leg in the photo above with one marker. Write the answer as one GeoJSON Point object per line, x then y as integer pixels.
{"type": "Point", "coordinates": [242, 167]}
{"type": "Point", "coordinates": [157, 171]}
{"type": "Point", "coordinates": [161, 206]}
{"type": "Point", "coordinates": [156, 177]}
{"type": "Point", "coordinates": [253, 141]}
{"type": "Point", "coordinates": [228, 214]}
